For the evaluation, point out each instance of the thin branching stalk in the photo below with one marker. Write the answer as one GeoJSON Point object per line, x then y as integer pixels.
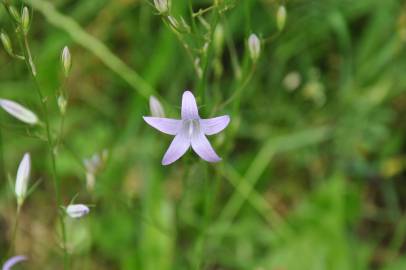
{"type": "Point", "coordinates": [51, 147]}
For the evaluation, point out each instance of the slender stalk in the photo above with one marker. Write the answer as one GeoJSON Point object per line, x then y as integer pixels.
{"type": "Point", "coordinates": [43, 102]}
{"type": "Point", "coordinates": [2, 164]}
{"type": "Point", "coordinates": [15, 228]}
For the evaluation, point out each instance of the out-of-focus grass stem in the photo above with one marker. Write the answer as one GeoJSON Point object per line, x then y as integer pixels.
{"type": "Point", "coordinates": [43, 102]}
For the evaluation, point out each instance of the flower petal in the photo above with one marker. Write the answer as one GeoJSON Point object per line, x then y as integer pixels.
{"type": "Point", "coordinates": [203, 148]}
{"type": "Point", "coordinates": [18, 111]}
{"type": "Point", "coordinates": [13, 261]}
{"type": "Point", "coordinates": [165, 125]}
{"type": "Point", "coordinates": [178, 148]}
{"type": "Point", "coordinates": [189, 106]}
{"type": "Point", "coordinates": [214, 125]}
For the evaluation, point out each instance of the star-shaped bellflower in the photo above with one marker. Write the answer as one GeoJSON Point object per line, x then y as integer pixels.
{"type": "Point", "coordinates": [190, 131]}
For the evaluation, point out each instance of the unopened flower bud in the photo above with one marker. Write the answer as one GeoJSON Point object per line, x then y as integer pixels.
{"type": "Point", "coordinates": [66, 60]}
{"type": "Point", "coordinates": [218, 38]}
{"type": "Point", "coordinates": [281, 17]}
{"type": "Point", "coordinates": [181, 26]}
{"type": "Point", "coordinates": [254, 47]}
{"type": "Point", "coordinates": [162, 6]}
{"type": "Point", "coordinates": [22, 178]}
{"type": "Point", "coordinates": [18, 111]}
{"type": "Point", "coordinates": [156, 107]}
{"type": "Point", "coordinates": [14, 13]}
{"type": "Point", "coordinates": [62, 104]}
{"type": "Point", "coordinates": [25, 20]}
{"type": "Point", "coordinates": [77, 210]}
{"type": "Point", "coordinates": [5, 39]}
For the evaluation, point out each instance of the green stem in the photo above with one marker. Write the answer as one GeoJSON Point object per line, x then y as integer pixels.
{"type": "Point", "coordinates": [43, 102]}
{"type": "Point", "coordinates": [2, 164]}
{"type": "Point", "coordinates": [15, 228]}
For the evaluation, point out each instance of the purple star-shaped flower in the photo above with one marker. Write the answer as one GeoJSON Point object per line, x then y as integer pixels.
{"type": "Point", "coordinates": [191, 130]}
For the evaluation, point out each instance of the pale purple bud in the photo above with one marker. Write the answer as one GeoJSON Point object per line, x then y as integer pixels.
{"type": "Point", "coordinates": [254, 46]}
{"type": "Point", "coordinates": [18, 111]}
{"type": "Point", "coordinates": [22, 178]}
{"type": "Point", "coordinates": [156, 107]}
{"type": "Point", "coordinates": [77, 210]}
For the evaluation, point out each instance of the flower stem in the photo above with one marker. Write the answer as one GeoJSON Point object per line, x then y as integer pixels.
{"type": "Point", "coordinates": [14, 233]}
{"type": "Point", "coordinates": [43, 102]}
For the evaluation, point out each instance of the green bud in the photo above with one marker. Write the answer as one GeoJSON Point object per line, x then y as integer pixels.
{"type": "Point", "coordinates": [62, 104]}
{"type": "Point", "coordinates": [66, 60]}
{"type": "Point", "coordinates": [281, 17]}
{"type": "Point", "coordinates": [180, 26]}
{"type": "Point", "coordinates": [14, 13]}
{"type": "Point", "coordinates": [6, 43]}
{"type": "Point", "coordinates": [218, 38]}
{"type": "Point", "coordinates": [25, 20]}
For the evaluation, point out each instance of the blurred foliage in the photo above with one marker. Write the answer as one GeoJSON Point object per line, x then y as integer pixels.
{"type": "Point", "coordinates": [313, 160]}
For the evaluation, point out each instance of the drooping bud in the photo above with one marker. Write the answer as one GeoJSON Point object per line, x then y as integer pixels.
{"type": "Point", "coordinates": [18, 111]}
{"type": "Point", "coordinates": [13, 261]}
{"type": "Point", "coordinates": [162, 6]}
{"type": "Point", "coordinates": [66, 60]}
{"type": "Point", "coordinates": [254, 47]}
{"type": "Point", "coordinates": [77, 210]}
{"type": "Point", "coordinates": [156, 107]}
{"type": "Point", "coordinates": [14, 13]}
{"type": "Point", "coordinates": [22, 178]}
{"type": "Point", "coordinates": [94, 165]}
{"type": "Point", "coordinates": [281, 17]}
{"type": "Point", "coordinates": [62, 104]}
{"type": "Point", "coordinates": [25, 20]}
{"type": "Point", "coordinates": [5, 39]}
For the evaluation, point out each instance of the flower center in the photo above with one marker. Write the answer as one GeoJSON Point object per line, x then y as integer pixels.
{"type": "Point", "coordinates": [192, 127]}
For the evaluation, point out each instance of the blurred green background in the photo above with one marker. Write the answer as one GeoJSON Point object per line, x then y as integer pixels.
{"type": "Point", "coordinates": [314, 159]}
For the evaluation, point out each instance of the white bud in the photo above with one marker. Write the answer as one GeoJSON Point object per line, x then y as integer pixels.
{"type": "Point", "coordinates": [22, 178]}
{"type": "Point", "coordinates": [77, 210]}
{"type": "Point", "coordinates": [25, 20]}
{"type": "Point", "coordinates": [281, 17]}
{"type": "Point", "coordinates": [156, 107]}
{"type": "Point", "coordinates": [66, 60]}
{"type": "Point", "coordinates": [254, 46]}
{"type": "Point", "coordinates": [162, 6]}
{"type": "Point", "coordinates": [18, 111]}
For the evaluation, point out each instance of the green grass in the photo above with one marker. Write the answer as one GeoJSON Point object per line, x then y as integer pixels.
{"type": "Point", "coordinates": [311, 178]}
